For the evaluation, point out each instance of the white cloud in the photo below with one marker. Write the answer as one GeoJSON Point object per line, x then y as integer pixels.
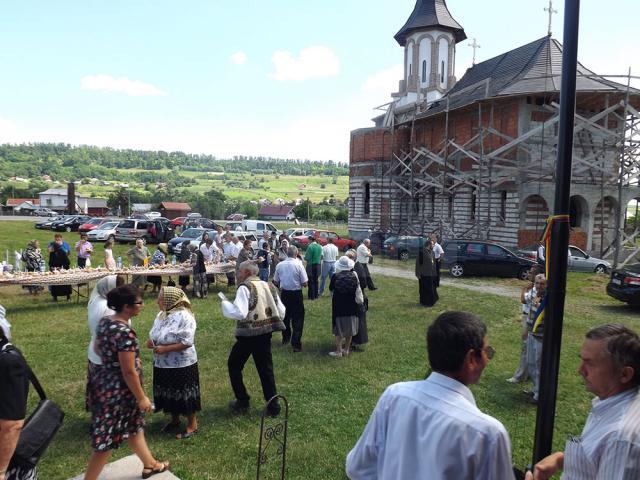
{"type": "Point", "coordinates": [8, 131]}
{"type": "Point", "coordinates": [109, 84]}
{"type": "Point", "coordinates": [239, 58]}
{"type": "Point", "coordinates": [385, 81]}
{"type": "Point", "coordinates": [311, 62]}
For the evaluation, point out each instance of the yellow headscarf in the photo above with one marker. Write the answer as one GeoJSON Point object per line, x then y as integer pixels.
{"type": "Point", "coordinates": [174, 298]}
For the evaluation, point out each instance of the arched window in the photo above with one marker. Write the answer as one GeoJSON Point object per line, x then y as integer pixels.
{"type": "Point", "coordinates": [442, 72]}
{"type": "Point", "coordinates": [367, 199]}
{"type": "Point", "coordinates": [424, 71]}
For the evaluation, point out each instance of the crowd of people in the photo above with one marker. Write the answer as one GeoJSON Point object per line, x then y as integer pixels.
{"type": "Point", "coordinates": [424, 429]}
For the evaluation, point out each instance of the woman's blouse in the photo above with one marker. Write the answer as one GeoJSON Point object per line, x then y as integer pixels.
{"type": "Point", "coordinates": [138, 255]}
{"type": "Point", "coordinates": [177, 327]}
{"type": "Point", "coordinates": [158, 258]}
{"type": "Point", "coordinates": [15, 384]}
{"type": "Point", "coordinates": [109, 262]}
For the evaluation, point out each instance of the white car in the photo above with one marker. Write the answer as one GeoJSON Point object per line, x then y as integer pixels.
{"type": "Point", "coordinates": [153, 215]}
{"type": "Point", "coordinates": [106, 231]}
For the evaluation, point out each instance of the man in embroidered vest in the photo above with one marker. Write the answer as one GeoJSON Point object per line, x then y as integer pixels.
{"type": "Point", "coordinates": [258, 312]}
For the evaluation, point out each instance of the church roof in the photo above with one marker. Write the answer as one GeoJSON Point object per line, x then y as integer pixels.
{"type": "Point", "coordinates": [430, 13]}
{"type": "Point", "coordinates": [529, 69]}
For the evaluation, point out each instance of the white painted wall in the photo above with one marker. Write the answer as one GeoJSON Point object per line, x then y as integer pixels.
{"type": "Point", "coordinates": [443, 63]}
{"type": "Point", "coordinates": [425, 59]}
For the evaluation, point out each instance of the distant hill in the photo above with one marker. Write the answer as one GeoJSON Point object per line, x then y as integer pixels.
{"type": "Point", "coordinates": [67, 162]}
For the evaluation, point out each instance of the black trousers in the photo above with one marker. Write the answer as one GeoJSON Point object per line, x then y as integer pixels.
{"type": "Point", "coordinates": [82, 262]}
{"type": "Point", "coordinates": [293, 302]}
{"type": "Point", "coordinates": [438, 262]}
{"type": "Point", "coordinates": [231, 278]}
{"type": "Point", "coordinates": [313, 273]}
{"type": "Point", "coordinates": [260, 348]}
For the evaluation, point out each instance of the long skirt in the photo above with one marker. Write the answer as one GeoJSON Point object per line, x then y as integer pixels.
{"type": "Point", "coordinates": [92, 372]}
{"type": "Point", "coordinates": [428, 291]}
{"type": "Point", "coordinates": [183, 280]}
{"type": "Point", "coordinates": [345, 326]}
{"type": "Point", "coordinates": [363, 331]}
{"type": "Point", "coordinates": [60, 291]}
{"type": "Point", "coordinates": [177, 390]}
{"type": "Point", "coordinates": [21, 473]}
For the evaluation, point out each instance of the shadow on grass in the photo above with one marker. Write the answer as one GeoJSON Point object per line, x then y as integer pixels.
{"type": "Point", "coordinates": [622, 308]}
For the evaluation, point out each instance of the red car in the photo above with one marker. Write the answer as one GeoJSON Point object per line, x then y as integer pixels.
{"type": "Point", "coordinates": [178, 221]}
{"type": "Point", "coordinates": [92, 224]}
{"type": "Point", "coordinates": [321, 236]}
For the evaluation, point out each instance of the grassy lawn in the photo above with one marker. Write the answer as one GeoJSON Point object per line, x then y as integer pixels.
{"type": "Point", "coordinates": [330, 400]}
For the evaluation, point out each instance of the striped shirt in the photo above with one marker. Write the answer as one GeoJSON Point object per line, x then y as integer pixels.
{"type": "Point", "coordinates": [609, 448]}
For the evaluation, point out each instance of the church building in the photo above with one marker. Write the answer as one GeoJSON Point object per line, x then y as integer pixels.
{"type": "Point", "coordinates": [475, 157]}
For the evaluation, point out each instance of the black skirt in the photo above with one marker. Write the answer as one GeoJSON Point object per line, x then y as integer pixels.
{"type": "Point", "coordinates": [177, 390]}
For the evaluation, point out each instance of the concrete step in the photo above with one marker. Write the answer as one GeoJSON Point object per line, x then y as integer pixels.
{"type": "Point", "coordinates": [127, 468]}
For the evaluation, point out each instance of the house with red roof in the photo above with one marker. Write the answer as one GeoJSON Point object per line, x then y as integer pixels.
{"type": "Point", "coordinates": [173, 210]}
{"type": "Point", "coordinates": [276, 212]}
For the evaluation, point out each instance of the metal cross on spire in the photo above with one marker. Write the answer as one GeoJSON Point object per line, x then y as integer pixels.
{"type": "Point", "coordinates": [551, 11]}
{"type": "Point", "coordinates": [475, 45]}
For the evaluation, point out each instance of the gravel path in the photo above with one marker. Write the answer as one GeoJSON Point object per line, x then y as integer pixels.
{"type": "Point", "coordinates": [449, 282]}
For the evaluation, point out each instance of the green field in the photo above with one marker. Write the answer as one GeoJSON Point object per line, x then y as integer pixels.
{"type": "Point", "coordinates": [330, 400]}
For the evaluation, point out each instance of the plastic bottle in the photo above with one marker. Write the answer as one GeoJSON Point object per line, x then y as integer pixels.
{"type": "Point", "coordinates": [173, 260]}
{"type": "Point", "coordinates": [119, 262]}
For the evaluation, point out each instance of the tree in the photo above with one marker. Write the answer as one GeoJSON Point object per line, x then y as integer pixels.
{"type": "Point", "coordinates": [301, 211]}
{"type": "Point", "coordinates": [249, 209]}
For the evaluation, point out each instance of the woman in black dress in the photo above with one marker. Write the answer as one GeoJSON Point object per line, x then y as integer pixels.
{"type": "Point", "coordinates": [59, 260]}
{"type": "Point", "coordinates": [427, 275]}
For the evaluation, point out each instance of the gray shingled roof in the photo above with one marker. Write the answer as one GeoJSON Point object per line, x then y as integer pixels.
{"type": "Point", "coordinates": [532, 68]}
{"type": "Point", "coordinates": [430, 13]}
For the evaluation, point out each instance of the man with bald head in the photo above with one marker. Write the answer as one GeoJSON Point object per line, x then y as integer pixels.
{"type": "Point", "coordinates": [364, 257]}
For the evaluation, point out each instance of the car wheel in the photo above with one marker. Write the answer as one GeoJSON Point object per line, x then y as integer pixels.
{"type": "Point", "coordinates": [67, 229]}
{"type": "Point", "coordinates": [523, 273]}
{"type": "Point", "coordinates": [457, 270]}
{"type": "Point", "coordinates": [403, 255]}
{"type": "Point", "coordinates": [601, 269]}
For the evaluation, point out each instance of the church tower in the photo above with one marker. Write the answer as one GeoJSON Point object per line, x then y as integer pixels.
{"type": "Point", "coordinates": [429, 39]}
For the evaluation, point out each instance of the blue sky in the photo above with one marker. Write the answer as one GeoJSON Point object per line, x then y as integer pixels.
{"type": "Point", "coordinates": [227, 77]}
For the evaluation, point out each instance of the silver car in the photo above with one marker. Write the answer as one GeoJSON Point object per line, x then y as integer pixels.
{"type": "Point", "coordinates": [579, 261]}
{"type": "Point", "coordinates": [106, 231]}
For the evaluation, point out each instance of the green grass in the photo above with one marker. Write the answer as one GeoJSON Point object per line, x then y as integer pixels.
{"type": "Point", "coordinates": [330, 400]}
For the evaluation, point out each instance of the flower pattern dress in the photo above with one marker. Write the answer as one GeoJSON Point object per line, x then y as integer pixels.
{"type": "Point", "coordinates": [115, 412]}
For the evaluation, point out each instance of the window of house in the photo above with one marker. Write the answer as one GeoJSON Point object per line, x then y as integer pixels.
{"type": "Point", "coordinates": [367, 198]}
{"type": "Point", "coordinates": [424, 71]}
{"type": "Point", "coordinates": [503, 205]}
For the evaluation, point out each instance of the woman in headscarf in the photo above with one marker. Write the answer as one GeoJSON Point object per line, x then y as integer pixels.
{"type": "Point", "coordinates": [96, 309]}
{"type": "Point", "coordinates": [185, 257]}
{"type": "Point", "coordinates": [137, 256]}
{"type": "Point", "coordinates": [159, 258]}
{"type": "Point", "coordinates": [176, 381]}
{"type": "Point", "coordinates": [59, 260]}
{"type": "Point", "coordinates": [426, 274]}
{"type": "Point", "coordinates": [362, 336]}
{"type": "Point", "coordinates": [13, 403]}
{"type": "Point", "coordinates": [346, 298]}
{"type": "Point", "coordinates": [34, 262]}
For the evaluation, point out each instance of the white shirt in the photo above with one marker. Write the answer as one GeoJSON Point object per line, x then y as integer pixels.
{"type": "Point", "coordinates": [363, 254]}
{"type": "Point", "coordinates": [437, 251]}
{"type": "Point", "coordinates": [430, 429]}
{"type": "Point", "coordinates": [178, 327]}
{"type": "Point", "coordinates": [609, 448]}
{"type": "Point", "coordinates": [330, 252]}
{"type": "Point", "coordinates": [290, 274]}
{"type": "Point", "coordinates": [208, 252]}
{"type": "Point", "coordinates": [239, 309]}
{"type": "Point", "coordinates": [231, 249]}
{"type": "Point", "coordinates": [541, 250]}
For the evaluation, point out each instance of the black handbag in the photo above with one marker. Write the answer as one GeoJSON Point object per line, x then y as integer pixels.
{"type": "Point", "coordinates": [39, 429]}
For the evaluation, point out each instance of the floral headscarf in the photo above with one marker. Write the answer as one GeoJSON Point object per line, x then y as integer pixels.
{"type": "Point", "coordinates": [174, 298]}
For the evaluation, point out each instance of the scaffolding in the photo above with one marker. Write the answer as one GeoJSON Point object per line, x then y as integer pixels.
{"type": "Point", "coordinates": [606, 160]}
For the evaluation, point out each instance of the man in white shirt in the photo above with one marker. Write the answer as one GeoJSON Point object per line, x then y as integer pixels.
{"type": "Point", "coordinates": [364, 256]}
{"type": "Point", "coordinates": [433, 428]}
{"type": "Point", "coordinates": [290, 277]}
{"type": "Point", "coordinates": [231, 248]}
{"type": "Point", "coordinates": [209, 250]}
{"type": "Point", "coordinates": [609, 447]}
{"type": "Point", "coordinates": [329, 256]}
{"type": "Point", "coordinates": [258, 311]}
{"type": "Point", "coordinates": [438, 254]}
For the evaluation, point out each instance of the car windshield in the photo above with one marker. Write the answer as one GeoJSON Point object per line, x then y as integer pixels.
{"type": "Point", "coordinates": [128, 224]}
{"type": "Point", "coordinates": [108, 226]}
{"type": "Point", "coordinates": [191, 233]}
{"type": "Point", "coordinates": [94, 221]}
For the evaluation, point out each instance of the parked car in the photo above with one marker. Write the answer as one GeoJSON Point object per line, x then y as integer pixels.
{"type": "Point", "coordinates": [46, 224]}
{"type": "Point", "coordinates": [106, 231]}
{"type": "Point", "coordinates": [476, 257]}
{"type": "Point", "coordinates": [625, 284]}
{"type": "Point", "coordinates": [93, 224]}
{"type": "Point", "coordinates": [188, 234]}
{"type": "Point", "coordinates": [197, 222]}
{"type": "Point", "coordinates": [294, 232]}
{"type": "Point", "coordinates": [70, 224]}
{"type": "Point", "coordinates": [321, 236]}
{"type": "Point", "coordinates": [403, 246]}
{"type": "Point", "coordinates": [44, 212]}
{"type": "Point", "coordinates": [242, 236]}
{"type": "Point", "coordinates": [152, 215]}
{"type": "Point", "coordinates": [258, 226]}
{"type": "Point", "coordinates": [178, 221]}
{"type": "Point", "coordinates": [131, 229]}
{"type": "Point", "coordinates": [234, 225]}
{"type": "Point", "coordinates": [578, 261]}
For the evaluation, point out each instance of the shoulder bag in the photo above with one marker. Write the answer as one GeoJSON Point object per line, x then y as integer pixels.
{"type": "Point", "coordinates": [41, 426]}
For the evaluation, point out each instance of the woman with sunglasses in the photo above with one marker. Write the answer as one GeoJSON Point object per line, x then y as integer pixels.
{"type": "Point", "coordinates": [119, 402]}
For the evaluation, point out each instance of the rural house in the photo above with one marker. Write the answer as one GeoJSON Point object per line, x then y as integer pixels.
{"type": "Point", "coordinates": [276, 212]}
{"type": "Point", "coordinates": [173, 210]}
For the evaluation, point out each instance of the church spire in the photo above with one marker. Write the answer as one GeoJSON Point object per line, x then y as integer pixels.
{"type": "Point", "coordinates": [430, 14]}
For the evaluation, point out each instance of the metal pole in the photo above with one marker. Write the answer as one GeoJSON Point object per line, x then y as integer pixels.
{"type": "Point", "coordinates": [560, 239]}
